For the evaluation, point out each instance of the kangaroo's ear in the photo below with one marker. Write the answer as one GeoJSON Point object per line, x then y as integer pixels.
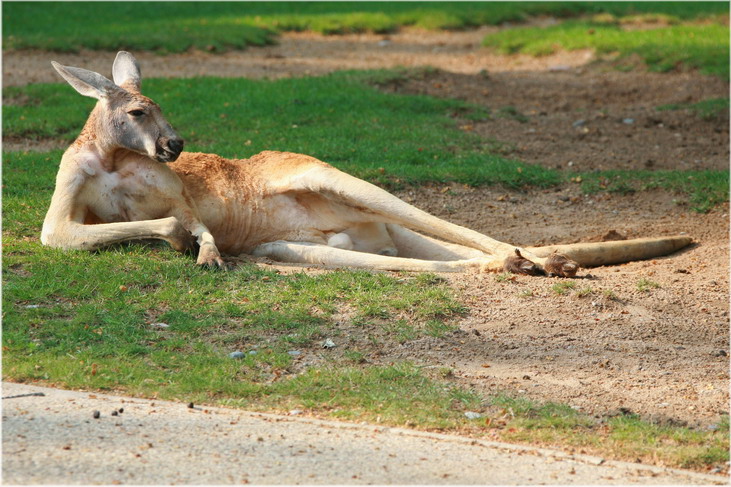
{"type": "Point", "coordinates": [86, 82]}
{"type": "Point", "coordinates": [126, 71]}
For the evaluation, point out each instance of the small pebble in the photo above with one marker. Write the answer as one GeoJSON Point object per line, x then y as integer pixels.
{"type": "Point", "coordinates": [121, 410]}
{"type": "Point", "coordinates": [115, 413]}
{"type": "Point", "coordinates": [96, 414]}
{"type": "Point", "coordinates": [472, 415]}
{"type": "Point", "coordinates": [236, 354]}
{"type": "Point", "coordinates": [559, 67]}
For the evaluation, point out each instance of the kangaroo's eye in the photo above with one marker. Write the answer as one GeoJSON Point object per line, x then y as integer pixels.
{"type": "Point", "coordinates": [136, 113]}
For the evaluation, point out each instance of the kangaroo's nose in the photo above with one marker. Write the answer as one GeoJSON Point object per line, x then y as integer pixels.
{"type": "Point", "coordinates": [176, 145]}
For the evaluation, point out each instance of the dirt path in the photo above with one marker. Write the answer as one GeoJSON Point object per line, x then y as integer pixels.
{"type": "Point", "coordinates": [662, 352]}
{"type": "Point", "coordinates": [301, 54]}
{"type": "Point", "coordinates": [162, 443]}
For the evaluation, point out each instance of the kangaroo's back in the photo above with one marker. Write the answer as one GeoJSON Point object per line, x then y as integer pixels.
{"type": "Point", "coordinates": [260, 175]}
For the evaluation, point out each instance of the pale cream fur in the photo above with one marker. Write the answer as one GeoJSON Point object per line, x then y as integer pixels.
{"type": "Point", "coordinates": [125, 178]}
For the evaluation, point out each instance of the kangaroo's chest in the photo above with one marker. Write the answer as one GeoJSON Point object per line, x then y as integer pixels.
{"type": "Point", "coordinates": [132, 193]}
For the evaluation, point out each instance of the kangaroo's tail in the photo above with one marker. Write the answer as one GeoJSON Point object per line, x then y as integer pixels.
{"type": "Point", "coordinates": [617, 251]}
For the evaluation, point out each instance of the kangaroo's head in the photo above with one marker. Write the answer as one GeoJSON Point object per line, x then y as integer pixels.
{"type": "Point", "coordinates": [124, 118]}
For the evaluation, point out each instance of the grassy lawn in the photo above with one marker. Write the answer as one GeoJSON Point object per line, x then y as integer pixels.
{"type": "Point", "coordinates": [62, 328]}
{"type": "Point", "coordinates": [706, 109]}
{"type": "Point", "coordinates": [703, 46]}
{"type": "Point", "coordinates": [220, 26]}
{"type": "Point", "coordinates": [704, 189]}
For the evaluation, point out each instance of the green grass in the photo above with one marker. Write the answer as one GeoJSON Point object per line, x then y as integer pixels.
{"type": "Point", "coordinates": [64, 328]}
{"type": "Point", "coordinates": [563, 287]}
{"type": "Point", "coordinates": [221, 26]}
{"type": "Point", "coordinates": [644, 285]}
{"type": "Point", "coordinates": [700, 46]}
{"type": "Point", "coordinates": [162, 27]}
{"type": "Point", "coordinates": [711, 109]}
{"type": "Point", "coordinates": [704, 189]}
{"type": "Point", "coordinates": [623, 436]}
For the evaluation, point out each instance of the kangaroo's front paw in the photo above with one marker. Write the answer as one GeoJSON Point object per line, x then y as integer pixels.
{"type": "Point", "coordinates": [560, 265]}
{"type": "Point", "coordinates": [208, 256]}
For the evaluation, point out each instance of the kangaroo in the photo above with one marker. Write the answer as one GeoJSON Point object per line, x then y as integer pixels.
{"type": "Point", "coordinates": [126, 178]}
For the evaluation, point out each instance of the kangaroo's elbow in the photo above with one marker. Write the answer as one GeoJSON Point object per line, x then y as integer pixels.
{"type": "Point", "coordinates": [60, 237]}
{"type": "Point", "coordinates": [55, 240]}
{"type": "Point", "coordinates": [48, 235]}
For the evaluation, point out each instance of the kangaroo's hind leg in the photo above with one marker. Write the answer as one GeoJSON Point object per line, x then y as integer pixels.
{"type": "Point", "coordinates": [371, 237]}
{"type": "Point", "coordinates": [312, 253]}
{"type": "Point", "coordinates": [384, 207]}
{"type": "Point", "coordinates": [414, 245]}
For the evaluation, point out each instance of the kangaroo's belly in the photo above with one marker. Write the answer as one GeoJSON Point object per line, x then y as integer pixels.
{"type": "Point", "coordinates": [245, 203]}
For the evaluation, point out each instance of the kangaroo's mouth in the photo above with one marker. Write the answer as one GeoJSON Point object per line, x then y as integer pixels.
{"type": "Point", "coordinates": [168, 150]}
{"type": "Point", "coordinates": [166, 156]}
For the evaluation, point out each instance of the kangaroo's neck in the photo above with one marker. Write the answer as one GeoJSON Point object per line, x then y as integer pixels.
{"type": "Point", "coordinates": [96, 140]}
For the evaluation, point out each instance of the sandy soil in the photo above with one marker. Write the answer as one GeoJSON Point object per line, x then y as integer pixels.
{"type": "Point", "coordinates": [662, 353]}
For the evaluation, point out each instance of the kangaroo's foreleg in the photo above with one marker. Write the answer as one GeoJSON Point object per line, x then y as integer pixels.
{"type": "Point", "coordinates": [74, 235]}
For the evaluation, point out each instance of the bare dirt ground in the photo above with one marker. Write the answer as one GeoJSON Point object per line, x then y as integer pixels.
{"type": "Point", "coordinates": [611, 348]}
